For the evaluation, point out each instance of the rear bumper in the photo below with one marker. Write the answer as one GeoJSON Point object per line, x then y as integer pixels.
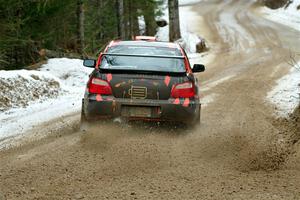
{"type": "Point", "coordinates": [178, 110]}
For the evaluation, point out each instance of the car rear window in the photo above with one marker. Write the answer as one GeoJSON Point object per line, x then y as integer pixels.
{"type": "Point", "coordinates": [128, 60]}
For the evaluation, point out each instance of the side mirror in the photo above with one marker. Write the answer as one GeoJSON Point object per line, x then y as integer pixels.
{"type": "Point", "coordinates": [89, 63]}
{"type": "Point", "coordinates": [198, 68]}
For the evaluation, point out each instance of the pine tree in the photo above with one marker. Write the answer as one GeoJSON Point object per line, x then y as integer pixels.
{"type": "Point", "coordinates": [68, 26]}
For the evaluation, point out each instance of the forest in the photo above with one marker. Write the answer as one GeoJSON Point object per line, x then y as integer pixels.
{"type": "Point", "coordinates": [70, 27]}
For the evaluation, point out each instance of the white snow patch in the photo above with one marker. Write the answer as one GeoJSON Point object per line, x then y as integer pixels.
{"type": "Point", "coordinates": [289, 16]}
{"type": "Point", "coordinates": [188, 38]}
{"type": "Point", "coordinates": [142, 24]}
{"type": "Point", "coordinates": [19, 87]}
{"type": "Point", "coordinates": [163, 32]}
{"type": "Point", "coordinates": [70, 72]}
{"type": "Point", "coordinates": [71, 76]}
{"type": "Point", "coordinates": [286, 94]}
{"type": "Point", "coordinates": [188, 2]}
{"type": "Point", "coordinates": [231, 29]}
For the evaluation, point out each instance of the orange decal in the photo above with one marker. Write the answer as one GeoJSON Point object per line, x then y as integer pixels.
{"type": "Point", "coordinates": [98, 97]}
{"type": "Point", "coordinates": [167, 80]}
{"type": "Point", "coordinates": [186, 102]}
{"type": "Point", "coordinates": [176, 101]}
{"type": "Point", "coordinates": [108, 77]}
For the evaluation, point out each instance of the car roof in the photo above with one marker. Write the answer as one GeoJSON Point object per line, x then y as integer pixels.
{"type": "Point", "coordinates": [145, 43]}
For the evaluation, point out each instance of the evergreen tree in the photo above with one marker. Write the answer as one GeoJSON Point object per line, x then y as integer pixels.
{"type": "Point", "coordinates": [68, 26]}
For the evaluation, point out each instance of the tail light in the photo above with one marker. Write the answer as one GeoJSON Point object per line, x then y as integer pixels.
{"type": "Point", "coordinates": [99, 86]}
{"type": "Point", "coordinates": [183, 90]}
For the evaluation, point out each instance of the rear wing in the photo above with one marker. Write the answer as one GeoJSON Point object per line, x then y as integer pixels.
{"type": "Point", "coordinates": [143, 55]}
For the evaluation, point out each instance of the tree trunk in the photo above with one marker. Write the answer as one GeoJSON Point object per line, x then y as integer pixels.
{"type": "Point", "coordinates": [130, 19]}
{"type": "Point", "coordinates": [120, 16]}
{"type": "Point", "coordinates": [150, 25]}
{"type": "Point", "coordinates": [174, 25]}
{"type": "Point", "coordinates": [80, 26]}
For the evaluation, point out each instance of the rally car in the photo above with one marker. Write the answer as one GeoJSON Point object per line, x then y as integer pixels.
{"type": "Point", "coordinates": [142, 80]}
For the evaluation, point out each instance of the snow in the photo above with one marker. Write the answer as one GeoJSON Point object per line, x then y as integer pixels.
{"type": "Point", "coordinates": [188, 2]}
{"type": "Point", "coordinates": [231, 28]}
{"type": "Point", "coordinates": [71, 73]}
{"type": "Point", "coordinates": [189, 39]}
{"type": "Point", "coordinates": [163, 32]}
{"type": "Point", "coordinates": [289, 16]}
{"type": "Point", "coordinates": [19, 87]}
{"type": "Point", "coordinates": [142, 24]}
{"type": "Point", "coordinates": [71, 77]}
{"type": "Point", "coordinates": [285, 96]}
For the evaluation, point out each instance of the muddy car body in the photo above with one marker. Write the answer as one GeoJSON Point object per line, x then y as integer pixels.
{"type": "Point", "coordinates": [142, 80]}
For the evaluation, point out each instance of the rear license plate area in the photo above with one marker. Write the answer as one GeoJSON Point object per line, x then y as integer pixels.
{"type": "Point", "coordinates": [139, 111]}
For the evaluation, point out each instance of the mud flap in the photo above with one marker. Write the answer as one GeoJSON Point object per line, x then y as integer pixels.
{"type": "Point", "coordinates": [196, 122]}
{"type": "Point", "coordinates": [83, 121]}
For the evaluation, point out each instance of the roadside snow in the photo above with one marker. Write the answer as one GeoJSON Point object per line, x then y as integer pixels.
{"type": "Point", "coordinates": [70, 72]}
{"type": "Point", "coordinates": [20, 87]}
{"type": "Point", "coordinates": [289, 16]}
{"type": "Point", "coordinates": [61, 82]}
{"type": "Point", "coordinates": [188, 2]}
{"type": "Point", "coordinates": [286, 95]}
{"type": "Point", "coordinates": [231, 28]}
{"type": "Point", "coordinates": [189, 39]}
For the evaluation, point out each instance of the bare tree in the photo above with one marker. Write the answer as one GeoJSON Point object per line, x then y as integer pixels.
{"type": "Point", "coordinates": [80, 26]}
{"type": "Point", "coordinates": [120, 15]}
{"type": "Point", "coordinates": [174, 25]}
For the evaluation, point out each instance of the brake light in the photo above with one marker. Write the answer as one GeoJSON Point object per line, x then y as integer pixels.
{"type": "Point", "coordinates": [183, 90]}
{"type": "Point", "coordinates": [99, 86]}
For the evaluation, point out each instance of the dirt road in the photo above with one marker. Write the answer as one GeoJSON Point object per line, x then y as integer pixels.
{"type": "Point", "coordinates": [239, 152]}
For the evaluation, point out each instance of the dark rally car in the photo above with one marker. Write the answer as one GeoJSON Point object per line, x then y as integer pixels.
{"type": "Point", "coordinates": [142, 80]}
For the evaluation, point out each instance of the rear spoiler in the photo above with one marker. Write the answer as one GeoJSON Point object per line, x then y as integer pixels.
{"type": "Point", "coordinates": [143, 55]}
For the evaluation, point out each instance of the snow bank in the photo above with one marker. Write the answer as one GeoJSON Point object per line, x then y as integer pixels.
{"type": "Point", "coordinates": [70, 72]}
{"type": "Point", "coordinates": [289, 16]}
{"type": "Point", "coordinates": [20, 87]}
{"type": "Point", "coordinates": [37, 96]}
{"type": "Point", "coordinates": [286, 95]}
